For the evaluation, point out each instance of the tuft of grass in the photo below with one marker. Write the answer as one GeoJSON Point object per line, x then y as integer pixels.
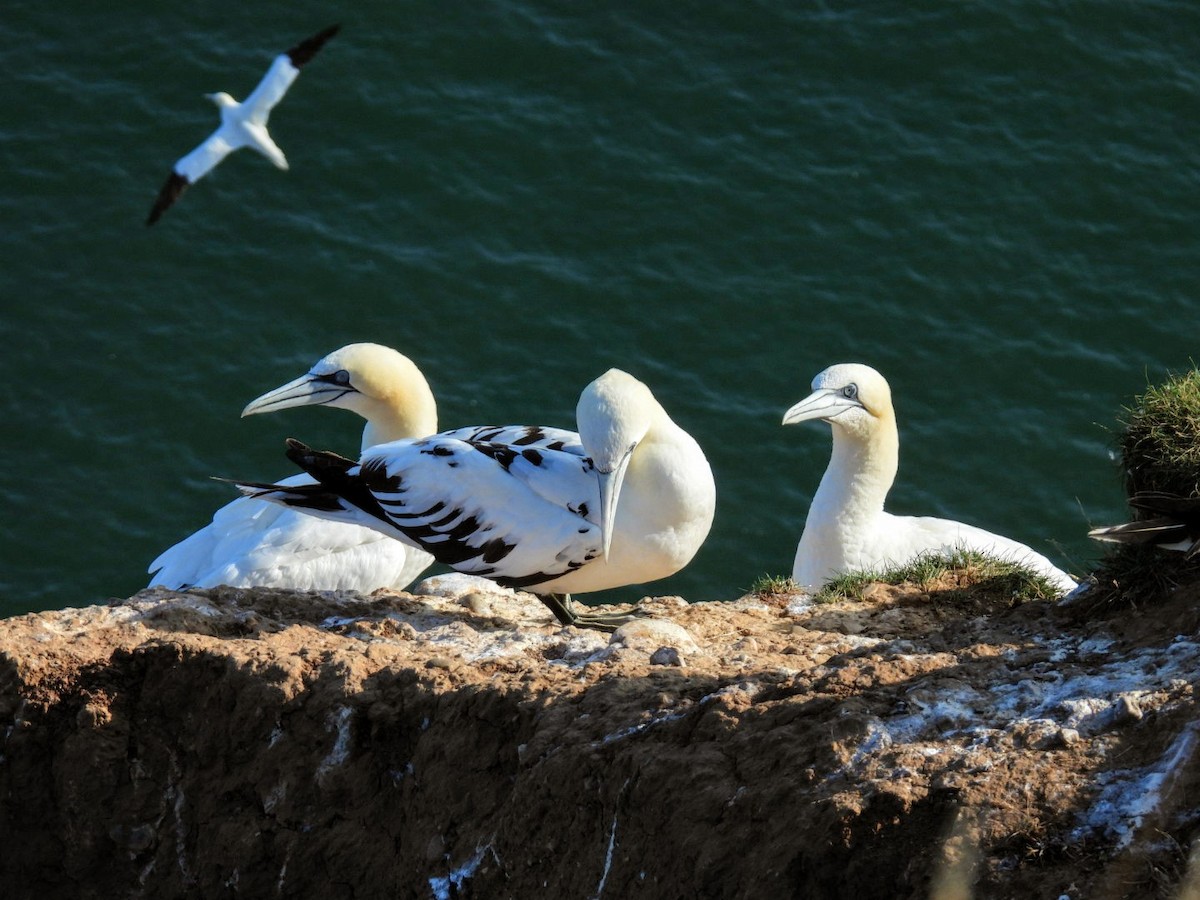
{"type": "Point", "coordinates": [1160, 445]}
{"type": "Point", "coordinates": [1139, 574]}
{"type": "Point", "coordinates": [965, 569]}
{"type": "Point", "coordinates": [1160, 451]}
{"type": "Point", "coordinates": [774, 584]}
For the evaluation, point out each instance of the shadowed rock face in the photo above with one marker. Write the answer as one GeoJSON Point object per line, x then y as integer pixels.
{"type": "Point", "coordinates": [264, 743]}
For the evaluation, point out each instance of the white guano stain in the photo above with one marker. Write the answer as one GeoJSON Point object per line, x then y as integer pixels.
{"type": "Point", "coordinates": [339, 723]}
{"type": "Point", "coordinates": [608, 858]}
{"type": "Point", "coordinates": [441, 886]}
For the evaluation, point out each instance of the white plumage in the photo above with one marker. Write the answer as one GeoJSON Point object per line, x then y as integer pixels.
{"type": "Point", "coordinates": [255, 544]}
{"type": "Point", "coordinates": [847, 529]}
{"type": "Point", "coordinates": [629, 499]}
{"type": "Point", "coordinates": [242, 124]}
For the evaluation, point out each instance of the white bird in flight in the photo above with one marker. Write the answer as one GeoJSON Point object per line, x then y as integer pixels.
{"type": "Point", "coordinates": [253, 544]}
{"type": "Point", "coordinates": [629, 499]}
{"type": "Point", "coordinates": [242, 124]}
{"type": "Point", "coordinates": [847, 529]}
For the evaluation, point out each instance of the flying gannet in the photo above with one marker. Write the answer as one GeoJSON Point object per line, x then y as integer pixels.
{"type": "Point", "coordinates": [629, 499]}
{"type": "Point", "coordinates": [254, 544]}
{"type": "Point", "coordinates": [1172, 523]}
{"type": "Point", "coordinates": [242, 124]}
{"type": "Point", "coordinates": [847, 529]}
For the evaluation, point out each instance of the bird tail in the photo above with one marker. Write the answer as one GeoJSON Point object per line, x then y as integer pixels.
{"type": "Point", "coordinates": [1167, 520]}
{"type": "Point", "coordinates": [327, 498]}
{"type": "Point", "coordinates": [1159, 530]}
{"type": "Point", "coordinates": [340, 494]}
{"type": "Point", "coordinates": [314, 498]}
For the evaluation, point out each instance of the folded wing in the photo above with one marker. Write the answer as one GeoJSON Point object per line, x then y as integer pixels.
{"type": "Point", "coordinates": [520, 514]}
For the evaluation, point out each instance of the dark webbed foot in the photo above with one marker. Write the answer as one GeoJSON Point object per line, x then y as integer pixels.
{"type": "Point", "coordinates": [564, 611]}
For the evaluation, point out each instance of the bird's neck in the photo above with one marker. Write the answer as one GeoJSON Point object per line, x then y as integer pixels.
{"type": "Point", "coordinates": [229, 110]}
{"type": "Point", "coordinates": [860, 473]}
{"type": "Point", "coordinates": [410, 414]}
{"type": "Point", "coordinates": [667, 501]}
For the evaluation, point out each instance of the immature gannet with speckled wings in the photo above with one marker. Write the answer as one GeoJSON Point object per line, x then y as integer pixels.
{"type": "Point", "coordinates": [254, 544]}
{"type": "Point", "coordinates": [242, 124]}
{"type": "Point", "coordinates": [847, 530]}
{"type": "Point", "coordinates": [630, 499]}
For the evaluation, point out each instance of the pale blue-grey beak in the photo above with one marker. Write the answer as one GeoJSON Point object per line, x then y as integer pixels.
{"type": "Point", "coordinates": [307, 390]}
{"type": "Point", "coordinates": [610, 492]}
{"type": "Point", "coordinates": [823, 404]}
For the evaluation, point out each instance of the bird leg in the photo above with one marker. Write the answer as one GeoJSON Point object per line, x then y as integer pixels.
{"type": "Point", "coordinates": [564, 610]}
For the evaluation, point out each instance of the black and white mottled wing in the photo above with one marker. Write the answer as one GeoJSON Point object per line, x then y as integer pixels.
{"type": "Point", "coordinates": [518, 514]}
{"type": "Point", "coordinates": [536, 436]}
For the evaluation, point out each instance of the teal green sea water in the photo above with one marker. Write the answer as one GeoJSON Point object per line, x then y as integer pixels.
{"type": "Point", "coordinates": [993, 204]}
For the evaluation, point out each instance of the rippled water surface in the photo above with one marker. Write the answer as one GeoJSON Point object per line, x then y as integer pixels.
{"type": "Point", "coordinates": [995, 205]}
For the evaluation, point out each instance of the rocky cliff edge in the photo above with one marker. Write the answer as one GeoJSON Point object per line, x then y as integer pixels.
{"type": "Point", "coordinates": [920, 743]}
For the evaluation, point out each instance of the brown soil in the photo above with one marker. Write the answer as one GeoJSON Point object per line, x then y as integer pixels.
{"type": "Point", "coordinates": [917, 744]}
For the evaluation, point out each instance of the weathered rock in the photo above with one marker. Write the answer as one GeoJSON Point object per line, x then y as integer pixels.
{"type": "Point", "coordinates": [652, 634]}
{"type": "Point", "coordinates": [460, 743]}
{"type": "Point", "coordinates": [666, 656]}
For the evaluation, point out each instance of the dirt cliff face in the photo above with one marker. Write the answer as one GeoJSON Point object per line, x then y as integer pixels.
{"type": "Point", "coordinates": [264, 743]}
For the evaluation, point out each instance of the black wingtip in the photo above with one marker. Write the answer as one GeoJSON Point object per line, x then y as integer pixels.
{"type": "Point", "coordinates": [307, 49]}
{"type": "Point", "coordinates": [248, 488]}
{"type": "Point", "coordinates": [313, 460]}
{"type": "Point", "coordinates": [300, 496]}
{"type": "Point", "coordinates": [175, 186]}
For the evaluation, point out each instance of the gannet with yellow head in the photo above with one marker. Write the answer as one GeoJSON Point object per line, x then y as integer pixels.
{"type": "Point", "coordinates": [251, 544]}
{"type": "Point", "coordinates": [627, 500]}
{"type": "Point", "coordinates": [847, 529]}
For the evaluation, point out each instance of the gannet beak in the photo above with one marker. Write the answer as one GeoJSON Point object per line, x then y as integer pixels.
{"type": "Point", "coordinates": [307, 390]}
{"type": "Point", "coordinates": [820, 404]}
{"type": "Point", "coordinates": [610, 491]}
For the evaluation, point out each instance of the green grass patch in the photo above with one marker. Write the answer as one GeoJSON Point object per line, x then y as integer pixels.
{"type": "Point", "coordinates": [769, 585]}
{"type": "Point", "coordinates": [1160, 451]}
{"type": "Point", "coordinates": [1137, 574]}
{"type": "Point", "coordinates": [1160, 444]}
{"type": "Point", "coordinates": [960, 572]}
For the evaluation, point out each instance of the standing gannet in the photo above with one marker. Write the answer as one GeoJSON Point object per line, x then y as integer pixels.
{"type": "Point", "coordinates": [847, 529]}
{"type": "Point", "coordinates": [242, 124]}
{"type": "Point", "coordinates": [253, 544]}
{"type": "Point", "coordinates": [627, 500]}
{"type": "Point", "coordinates": [1173, 523]}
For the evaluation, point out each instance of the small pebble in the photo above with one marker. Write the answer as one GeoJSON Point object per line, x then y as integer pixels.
{"type": "Point", "coordinates": [665, 656]}
{"type": "Point", "coordinates": [1068, 737]}
{"type": "Point", "coordinates": [1127, 710]}
{"type": "Point", "coordinates": [476, 603]}
{"type": "Point", "coordinates": [140, 838]}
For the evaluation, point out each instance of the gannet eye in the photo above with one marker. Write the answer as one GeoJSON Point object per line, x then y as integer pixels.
{"type": "Point", "coordinates": [850, 392]}
{"type": "Point", "coordinates": [340, 377]}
